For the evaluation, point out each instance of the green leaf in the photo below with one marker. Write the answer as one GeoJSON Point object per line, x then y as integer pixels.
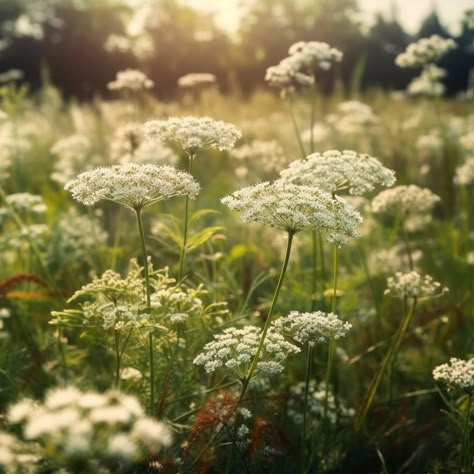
{"type": "Point", "coordinates": [202, 237]}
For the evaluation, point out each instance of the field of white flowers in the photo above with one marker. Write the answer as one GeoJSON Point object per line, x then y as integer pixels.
{"type": "Point", "coordinates": [275, 284]}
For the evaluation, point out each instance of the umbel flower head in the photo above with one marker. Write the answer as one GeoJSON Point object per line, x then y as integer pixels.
{"type": "Point", "coordinates": [457, 373]}
{"type": "Point", "coordinates": [100, 428]}
{"type": "Point", "coordinates": [312, 327]}
{"type": "Point", "coordinates": [312, 54]}
{"type": "Point", "coordinates": [130, 80]}
{"type": "Point", "coordinates": [413, 285]}
{"type": "Point", "coordinates": [425, 51]}
{"type": "Point", "coordinates": [405, 200]}
{"type": "Point", "coordinates": [196, 80]}
{"type": "Point", "coordinates": [235, 348]}
{"type": "Point", "coordinates": [294, 208]}
{"type": "Point", "coordinates": [334, 171]}
{"type": "Point", "coordinates": [193, 134]}
{"type": "Point", "coordinates": [132, 185]}
{"type": "Point", "coordinates": [287, 77]}
{"type": "Point", "coordinates": [428, 82]}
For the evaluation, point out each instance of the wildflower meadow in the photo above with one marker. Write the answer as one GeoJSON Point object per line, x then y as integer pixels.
{"type": "Point", "coordinates": [220, 282]}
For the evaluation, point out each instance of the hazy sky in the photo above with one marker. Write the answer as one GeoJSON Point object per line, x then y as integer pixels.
{"type": "Point", "coordinates": [410, 12]}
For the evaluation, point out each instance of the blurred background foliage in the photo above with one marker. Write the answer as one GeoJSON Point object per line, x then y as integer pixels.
{"type": "Point", "coordinates": [83, 43]}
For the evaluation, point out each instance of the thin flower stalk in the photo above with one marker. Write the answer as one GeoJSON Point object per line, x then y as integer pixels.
{"type": "Point", "coordinates": [185, 229]}
{"type": "Point", "coordinates": [391, 353]}
{"type": "Point", "coordinates": [305, 408]}
{"type": "Point", "coordinates": [466, 438]}
{"type": "Point", "coordinates": [332, 344]}
{"type": "Point", "coordinates": [268, 320]}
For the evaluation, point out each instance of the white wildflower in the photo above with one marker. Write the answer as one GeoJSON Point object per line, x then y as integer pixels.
{"type": "Point", "coordinates": [132, 185]}
{"type": "Point", "coordinates": [424, 51]}
{"type": "Point", "coordinates": [312, 54]}
{"type": "Point", "coordinates": [465, 173]}
{"type": "Point", "coordinates": [405, 199]}
{"type": "Point", "coordinates": [413, 285]}
{"type": "Point", "coordinates": [130, 80]}
{"type": "Point", "coordinates": [334, 170]}
{"type": "Point", "coordinates": [287, 77]}
{"type": "Point", "coordinates": [294, 208]}
{"type": "Point", "coordinates": [428, 82]}
{"type": "Point", "coordinates": [196, 80]}
{"type": "Point", "coordinates": [235, 348]}
{"type": "Point", "coordinates": [193, 134]}
{"type": "Point", "coordinates": [457, 373]}
{"type": "Point", "coordinates": [312, 327]}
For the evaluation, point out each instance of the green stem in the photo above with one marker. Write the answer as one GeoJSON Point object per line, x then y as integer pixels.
{"type": "Point", "coordinates": [392, 351]}
{"type": "Point", "coordinates": [253, 366]}
{"type": "Point", "coordinates": [296, 128]}
{"type": "Point", "coordinates": [465, 451]}
{"type": "Point", "coordinates": [148, 307]}
{"type": "Point", "coordinates": [313, 114]}
{"type": "Point", "coordinates": [117, 359]}
{"type": "Point", "coordinates": [407, 245]}
{"type": "Point", "coordinates": [332, 344]}
{"type": "Point", "coordinates": [314, 270]}
{"type": "Point", "coordinates": [305, 409]}
{"type": "Point", "coordinates": [185, 230]}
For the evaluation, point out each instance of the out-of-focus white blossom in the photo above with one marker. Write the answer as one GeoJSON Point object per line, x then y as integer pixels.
{"type": "Point", "coordinates": [405, 200]}
{"type": "Point", "coordinates": [425, 51]}
{"type": "Point", "coordinates": [72, 425]}
{"type": "Point", "coordinates": [197, 80]}
{"type": "Point", "coordinates": [130, 80]}
{"type": "Point", "coordinates": [193, 134]}
{"type": "Point", "coordinates": [465, 173]}
{"type": "Point", "coordinates": [428, 82]}
{"type": "Point", "coordinates": [413, 285]}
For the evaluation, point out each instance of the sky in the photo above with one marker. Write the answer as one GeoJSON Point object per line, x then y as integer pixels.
{"type": "Point", "coordinates": [410, 12]}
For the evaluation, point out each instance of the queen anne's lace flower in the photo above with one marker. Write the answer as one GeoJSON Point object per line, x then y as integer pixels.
{"type": "Point", "coordinates": [424, 51]}
{"type": "Point", "coordinates": [334, 170]}
{"type": "Point", "coordinates": [294, 208]}
{"type": "Point", "coordinates": [193, 134]}
{"type": "Point", "coordinates": [336, 412]}
{"type": "Point", "coordinates": [457, 373]}
{"type": "Point", "coordinates": [196, 80]}
{"type": "Point", "coordinates": [132, 185]}
{"type": "Point", "coordinates": [428, 82]}
{"type": "Point", "coordinates": [235, 348]}
{"type": "Point", "coordinates": [413, 285]}
{"type": "Point", "coordinates": [405, 199]}
{"type": "Point", "coordinates": [71, 424]}
{"type": "Point", "coordinates": [286, 76]}
{"type": "Point", "coordinates": [312, 54]}
{"type": "Point", "coordinates": [465, 173]}
{"type": "Point", "coordinates": [130, 80]}
{"type": "Point", "coordinates": [312, 327]}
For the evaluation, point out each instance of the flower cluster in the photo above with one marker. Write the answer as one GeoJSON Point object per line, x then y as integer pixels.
{"type": "Point", "coordinates": [430, 141]}
{"type": "Point", "coordinates": [263, 157]}
{"type": "Point", "coordinates": [196, 80]}
{"type": "Point", "coordinates": [467, 141]}
{"type": "Point", "coordinates": [334, 170]}
{"type": "Point", "coordinates": [26, 204]}
{"type": "Point", "coordinates": [294, 208]}
{"type": "Point", "coordinates": [457, 373]}
{"type": "Point", "coordinates": [75, 238]}
{"type": "Point", "coordinates": [312, 327]}
{"type": "Point", "coordinates": [352, 117]}
{"type": "Point", "coordinates": [133, 185]}
{"type": "Point", "coordinates": [129, 144]}
{"type": "Point", "coordinates": [311, 54]}
{"type": "Point", "coordinates": [425, 51]}
{"type": "Point", "coordinates": [193, 134]}
{"type": "Point", "coordinates": [336, 412]}
{"type": "Point", "coordinates": [465, 173]}
{"type": "Point", "coordinates": [235, 348]}
{"type": "Point", "coordinates": [104, 428]}
{"type": "Point", "coordinates": [109, 302]}
{"type": "Point", "coordinates": [297, 70]}
{"type": "Point", "coordinates": [413, 285]}
{"type": "Point", "coordinates": [130, 80]}
{"type": "Point", "coordinates": [72, 154]}
{"type": "Point", "coordinates": [392, 259]}
{"type": "Point", "coordinates": [405, 200]}
{"type": "Point", "coordinates": [428, 82]}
